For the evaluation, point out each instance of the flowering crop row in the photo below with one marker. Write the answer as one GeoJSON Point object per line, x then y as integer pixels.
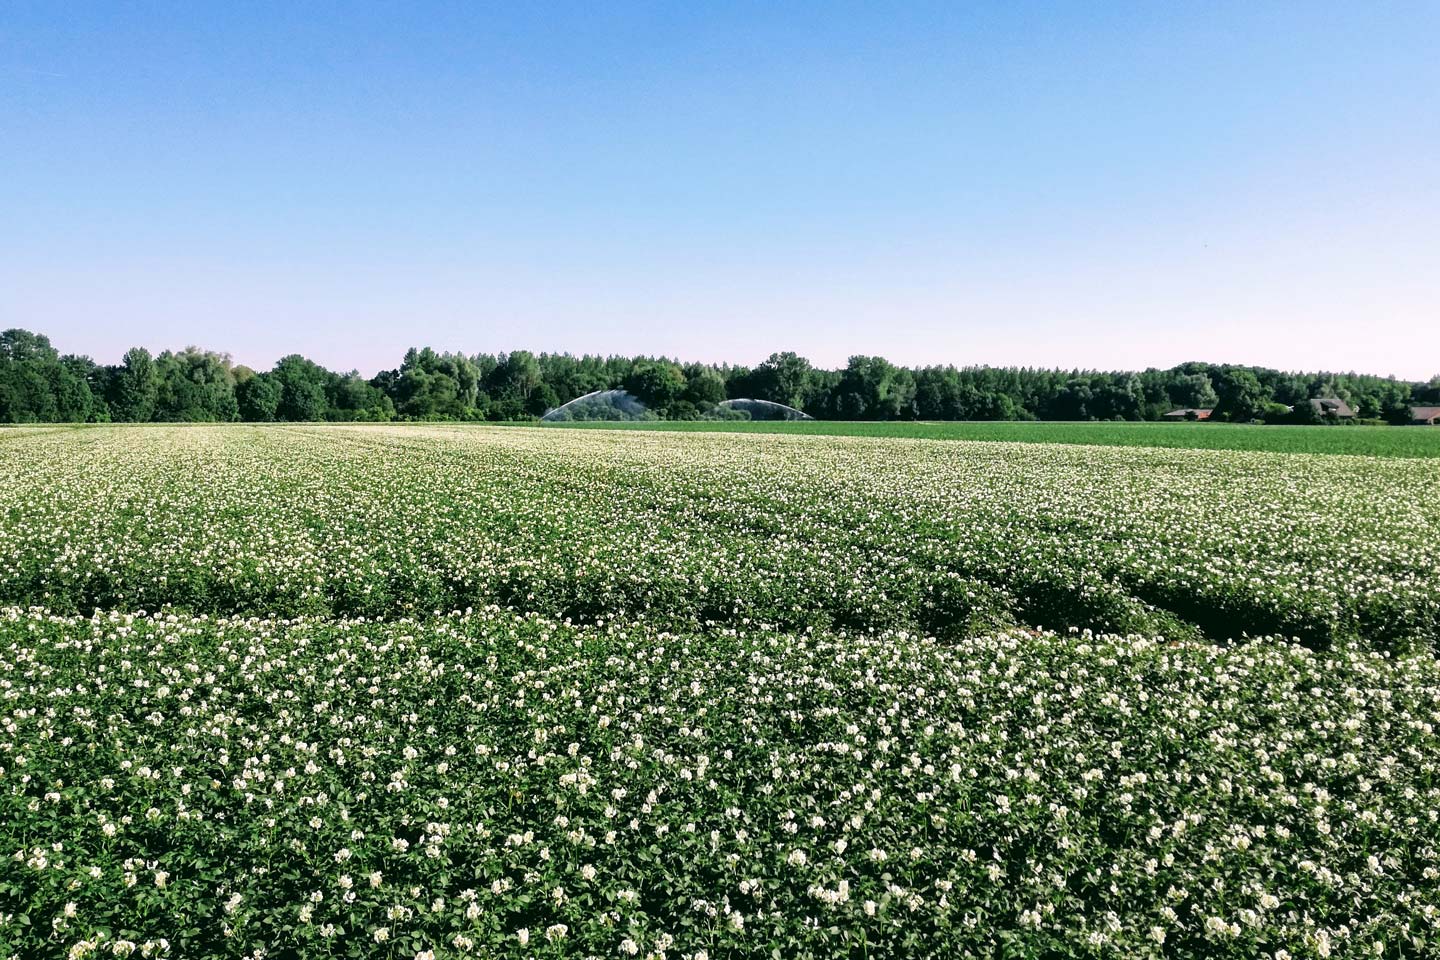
{"type": "Point", "coordinates": [489, 784]}
{"type": "Point", "coordinates": [943, 538]}
{"type": "Point", "coordinates": [711, 697]}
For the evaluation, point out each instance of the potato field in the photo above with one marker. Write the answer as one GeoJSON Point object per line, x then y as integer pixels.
{"type": "Point", "coordinates": [453, 691]}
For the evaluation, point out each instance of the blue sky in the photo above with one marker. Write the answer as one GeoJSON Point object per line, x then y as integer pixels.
{"type": "Point", "coordinates": [1042, 184]}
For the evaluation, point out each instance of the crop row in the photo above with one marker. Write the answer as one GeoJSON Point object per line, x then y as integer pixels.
{"type": "Point", "coordinates": [487, 784]}
{"type": "Point", "coordinates": [680, 530]}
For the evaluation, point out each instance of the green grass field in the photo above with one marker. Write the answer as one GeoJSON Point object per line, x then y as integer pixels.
{"type": "Point", "coordinates": [1358, 441]}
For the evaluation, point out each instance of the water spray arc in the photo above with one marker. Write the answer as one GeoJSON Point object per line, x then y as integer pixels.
{"type": "Point", "coordinates": [765, 409]}
{"type": "Point", "coordinates": [600, 405]}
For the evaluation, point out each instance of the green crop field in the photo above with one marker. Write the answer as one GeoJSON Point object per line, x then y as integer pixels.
{"type": "Point", "coordinates": [463, 691]}
{"type": "Point", "coordinates": [1366, 441]}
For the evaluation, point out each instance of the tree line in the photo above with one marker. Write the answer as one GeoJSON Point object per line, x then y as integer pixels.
{"type": "Point", "coordinates": [38, 384]}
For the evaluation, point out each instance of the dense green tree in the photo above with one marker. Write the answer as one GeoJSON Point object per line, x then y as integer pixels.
{"type": "Point", "coordinates": [570, 377]}
{"type": "Point", "coordinates": [939, 394]}
{"type": "Point", "coordinates": [1303, 412]}
{"type": "Point", "coordinates": [135, 387]}
{"type": "Point", "coordinates": [1241, 397]}
{"type": "Point", "coordinates": [302, 389]}
{"type": "Point", "coordinates": [352, 397]}
{"type": "Point", "coordinates": [1397, 413]}
{"type": "Point", "coordinates": [258, 398]}
{"type": "Point", "coordinates": [1071, 402]}
{"type": "Point", "coordinates": [543, 399]}
{"type": "Point", "coordinates": [36, 383]}
{"type": "Point", "coordinates": [425, 395]}
{"type": "Point", "coordinates": [1193, 390]}
{"type": "Point", "coordinates": [75, 398]}
{"type": "Point", "coordinates": [22, 346]}
{"type": "Point", "coordinates": [25, 394]}
{"type": "Point", "coordinates": [39, 385]}
{"type": "Point", "coordinates": [783, 378]}
{"type": "Point", "coordinates": [704, 386]}
{"type": "Point", "coordinates": [1120, 398]}
{"type": "Point", "coordinates": [431, 385]}
{"type": "Point", "coordinates": [656, 383]}
{"type": "Point", "coordinates": [872, 388]}
{"type": "Point", "coordinates": [514, 386]}
{"type": "Point", "coordinates": [194, 385]}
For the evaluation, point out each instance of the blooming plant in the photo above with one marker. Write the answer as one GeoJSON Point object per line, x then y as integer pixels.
{"type": "Point", "coordinates": [942, 538]}
{"type": "Point", "coordinates": [312, 692]}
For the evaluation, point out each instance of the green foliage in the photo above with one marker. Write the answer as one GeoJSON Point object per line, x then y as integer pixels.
{"type": "Point", "coordinates": [195, 385]}
{"type": "Point", "coordinates": [791, 530]}
{"type": "Point", "coordinates": [1242, 398]}
{"type": "Point", "coordinates": [784, 378]}
{"type": "Point", "coordinates": [302, 389]}
{"type": "Point", "coordinates": [872, 388]}
{"type": "Point", "coordinates": [657, 384]}
{"type": "Point", "coordinates": [1356, 440]}
{"type": "Point", "coordinates": [258, 398]}
{"type": "Point", "coordinates": [711, 695]}
{"type": "Point", "coordinates": [1192, 391]}
{"type": "Point", "coordinates": [351, 397]}
{"type": "Point", "coordinates": [704, 386]}
{"type": "Point", "coordinates": [1304, 414]}
{"type": "Point", "coordinates": [1397, 413]}
{"type": "Point", "coordinates": [36, 385]}
{"type": "Point", "coordinates": [516, 380]}
{"type": "Point", "coordinates": [433, 385]}
{"type": "Point", "coordinates": [135, 387]}
{"type": "Point", "coordinates": [497, 785]}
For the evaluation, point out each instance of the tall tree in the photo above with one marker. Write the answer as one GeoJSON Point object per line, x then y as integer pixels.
{"type": "Point", "coordinates": [258, 398]}
{"type": "Point", "coordinates": [1241, 395]}
{"type": "Point", "coordinates": [514, 383]}
{"type": "Point", "coordinates": [784, 378]}
{"type": "Point", "coordinates": [873, 388]}
{"type": "Point", "coordinates": [195, 385]}
{"type": "Point", "coordinates": [302, 389]}
{"type": "Point", "coordinates": [1193, 390]}
{"type": "Point", "coordinates": [75, 401]}
{"type": "Point", "coordinates": [704, 386]}
{"type": "Point", "coordinates": [31, 377]}
{"type": "Point", "coordinates": [135, 387]}
{"type": "Point", "coordinates": [657, 383]}
{"type": "Point", "coordinates": [352, 398]}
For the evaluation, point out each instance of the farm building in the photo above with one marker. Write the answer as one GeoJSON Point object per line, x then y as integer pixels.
{"type": "Point", "coordinates": [1425, 416]}
{"type": "Point", "coordinates": [1333, 407]}
{"type": "Point", "coordinates": [1189, 413]}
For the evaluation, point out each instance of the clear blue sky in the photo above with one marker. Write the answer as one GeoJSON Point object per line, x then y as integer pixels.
{"type": "Point", "coordinates": [1096, 185]}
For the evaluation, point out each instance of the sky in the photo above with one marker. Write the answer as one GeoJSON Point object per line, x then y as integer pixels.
{"type": "Point", "coordinates": [1076, 185]}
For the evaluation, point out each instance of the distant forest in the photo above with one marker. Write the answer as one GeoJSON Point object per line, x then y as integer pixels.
{"type": "Point", "coordinates": [38, 384]}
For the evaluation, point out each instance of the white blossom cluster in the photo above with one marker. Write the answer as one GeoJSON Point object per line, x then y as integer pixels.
{"type": "Point", "coordinates": [486, 784]}
{"type": "Point", "coordinates": [938, 537]}
{"type": "Point", "coordinates": [429, 692]}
